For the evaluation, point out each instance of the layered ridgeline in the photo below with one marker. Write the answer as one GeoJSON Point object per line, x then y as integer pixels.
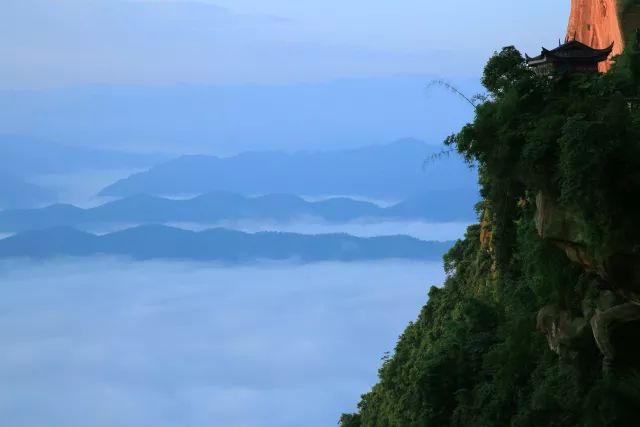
{"type": "Point", "coordinates": [27, 156]}
{"type": "Point", "coordinates": [364, 171]}
{"type": "Point", "coordinates": [17, 193]}
{"type": "Point", "coordinates": [228, 246]}
{"type": "Point", "coordinates": [223, 207]}
{"type": "Point", "coordinates": [24, 162]}
{"type": "Point", "coordinates": [538, 323]}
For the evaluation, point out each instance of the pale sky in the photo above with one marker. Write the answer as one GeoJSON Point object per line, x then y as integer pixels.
{"type": "Point", "coordinates": [53, 43]}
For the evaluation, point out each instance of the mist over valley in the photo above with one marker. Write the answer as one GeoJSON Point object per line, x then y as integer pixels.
{"type": "Point", "coordinates": [106, 341]}
{"type": "Point", "coordinates": [284, 213]}
{"type": "Point", "coordinates": [215, 216]}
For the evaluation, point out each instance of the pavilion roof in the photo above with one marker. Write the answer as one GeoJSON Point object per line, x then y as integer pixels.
{"type": "Point", "coordinates": [571, 51]}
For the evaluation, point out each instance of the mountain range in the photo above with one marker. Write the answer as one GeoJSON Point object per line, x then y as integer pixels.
{"type": "Point", "coordinates": [27, 156]}
{"type": "Point", "coordinates": [227, 119]}
{"type": "Point", "coordinates": [161, 242]}
{"type": "Point", "coordinates": [437, 206]}
{"type": "Point", "coordinates": [18, 193]}
{"type": "Point", "coordinates": [395, 171]}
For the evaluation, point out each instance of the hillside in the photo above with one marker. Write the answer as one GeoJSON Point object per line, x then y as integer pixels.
{"type": "Point", "coordinates": [538, 323]}
{"type": "Point", "coordinates": [363, 171]}
{"type": "Point", "coordinates": [160, 242]}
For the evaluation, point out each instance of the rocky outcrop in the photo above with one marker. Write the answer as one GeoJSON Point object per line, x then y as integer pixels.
{"type": "Point", "coordinates": [603, 324]}
{"type": "Point", "coordinates": [565, 229]}
{"type": "Point", "coordinates": [596, 23]}
{"type": "Point", "coordinates": [565, 335]}
{"type": "Point", "coordinates": [617, 269]}
{"type": "Point", "coordinates": [570, 335]}
{"type": "Point", "coordinates": [617, 263]}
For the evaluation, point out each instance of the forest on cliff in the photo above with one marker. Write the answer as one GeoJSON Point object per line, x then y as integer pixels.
{"type": "Point", "coordinates": [538, 323]}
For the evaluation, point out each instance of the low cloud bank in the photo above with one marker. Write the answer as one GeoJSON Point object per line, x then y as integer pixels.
{"type": "Point", "coordinates": [423, 230]}
{"type": "Point", "coordinates": [429, 231]}
{"type": "Point", "coordinates": [104, 342]}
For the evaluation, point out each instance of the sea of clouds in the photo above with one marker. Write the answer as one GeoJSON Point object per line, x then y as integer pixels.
{"type": "Point", "coordinates": [107, 342]}
{"type": "Point", "coordinates": [423, 230]}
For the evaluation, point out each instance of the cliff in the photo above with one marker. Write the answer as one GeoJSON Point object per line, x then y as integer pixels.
{"type": "Point", "coordinates": [538, 323]}
{"type": "Point", "coordinates": [596, 23]}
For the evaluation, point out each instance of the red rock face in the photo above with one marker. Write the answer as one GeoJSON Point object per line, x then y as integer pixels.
{"type": "Point", "coordinates": [596, 24]}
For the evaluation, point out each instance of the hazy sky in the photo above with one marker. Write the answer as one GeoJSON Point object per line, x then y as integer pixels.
{"type": "Point", "coordinates": [45, 43]}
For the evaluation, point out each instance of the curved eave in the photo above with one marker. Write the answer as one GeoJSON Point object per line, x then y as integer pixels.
{"type": "Point", "coordinates": [536, 62]}
{"type": "Point", "coordinates": [600, 57]}
{"type": "Point", "coordinates": [529, 60]}
{"type": "Point", "coordinates": [606, 50]}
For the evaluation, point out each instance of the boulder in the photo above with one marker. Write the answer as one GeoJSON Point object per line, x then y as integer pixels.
{"type": "Point", "coordinates": [566, 230]}
{"type": "Point", "coordinates": [565, 335]}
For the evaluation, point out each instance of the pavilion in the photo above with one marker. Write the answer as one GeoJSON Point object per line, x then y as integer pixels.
{"type": "Point", "coordinates": [572, 56]}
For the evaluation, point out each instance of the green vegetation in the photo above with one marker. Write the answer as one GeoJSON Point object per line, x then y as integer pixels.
{"type": "Point", "coordinates": [626, 5]}
{"type": "Point", "coordinates": [629, 15]}
{"type": "Point", "coordinates": [477, 354]}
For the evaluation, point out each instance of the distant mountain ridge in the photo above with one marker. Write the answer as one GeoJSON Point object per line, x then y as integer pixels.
{"type": "Point", "coordinates": [202, 118]}
{"type": "Point", "coordinates": [27, 156]}
{"type": "Point", "coordinates": [17, 193]}
{"type": "Point", "coordinates": [161, 242]}
{"type": "Point", "coordinates": [221, 206]}
{"type": "Point", "coordinates": [397, 170]}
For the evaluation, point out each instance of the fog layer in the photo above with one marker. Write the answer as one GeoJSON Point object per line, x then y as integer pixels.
{"type": "Point", "coordinates": [105, 343]}
{"type": "Point", "coordinates": [423, 230]}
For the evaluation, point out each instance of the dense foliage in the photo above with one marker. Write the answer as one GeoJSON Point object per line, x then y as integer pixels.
{"type": "Point", "coordinates": [626, 5]}
{"type": "Point", "coordinates": [475, 357]}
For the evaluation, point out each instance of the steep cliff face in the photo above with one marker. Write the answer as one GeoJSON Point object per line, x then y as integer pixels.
{"type": "Point", "coordinates": [596, 23]}
{"type": "Point", "coordinates": [538, 323]}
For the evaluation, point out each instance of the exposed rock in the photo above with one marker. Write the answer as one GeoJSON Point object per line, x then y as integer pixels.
{"type": "Point", "coordinates": [565, 335]}
{"type": "Point", "coordinates": [555, 223]}
{"type": "Point", "coordinates": [486, 232]}
{"type": "Point", "coordinates": [618, 265]}
{"type": "Point", "coordinates": [617, 269]}
{"type": "Point", "coordinates": [605, 321]}
{"type": "Point", "coordinates": [566, 230]}
{"type": "Point", "coordinates": [568, 336]}
{"type": "Point", "coordinates": [596, 24]}
{"type": "Point", "coordinates": [486, 239]}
